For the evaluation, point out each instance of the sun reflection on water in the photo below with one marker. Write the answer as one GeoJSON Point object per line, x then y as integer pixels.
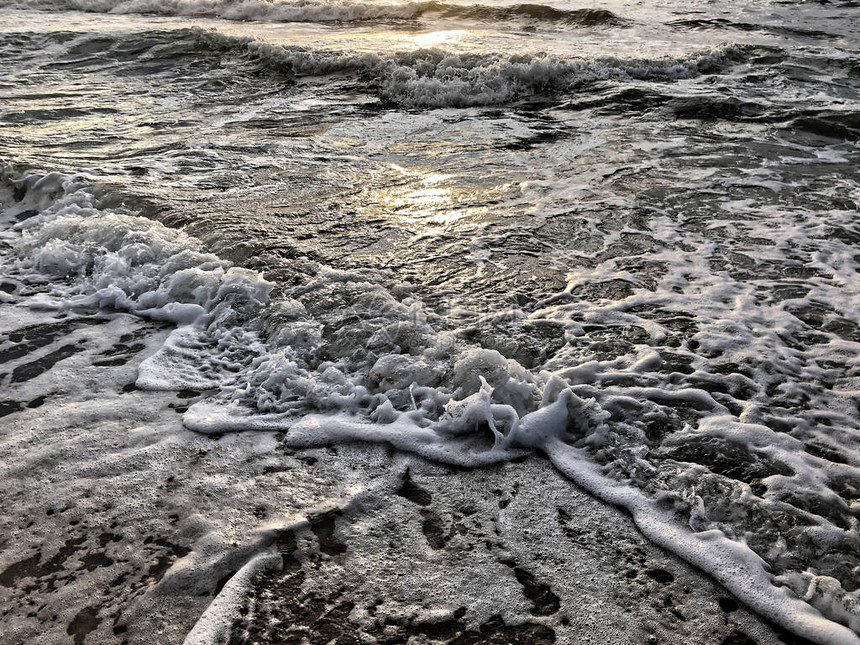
{"type": "Point", "coordinates": [428, 200]}
{"type": "Point", "coordinates": [441, 39]}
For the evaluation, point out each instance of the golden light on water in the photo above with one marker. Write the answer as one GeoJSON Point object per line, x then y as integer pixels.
{"type": "Point", "coordinates": [434, 202]}
{"type": "Point", "coordinates": [450, 39]}
{"type": "Point", "coordinates": [442, 39]}
{"type": "Point", "coordinates": [427, 199]}
{"type": "Point", "coordinates": [381, 42]}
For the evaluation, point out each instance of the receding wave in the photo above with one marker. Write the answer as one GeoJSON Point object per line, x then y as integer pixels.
{"type": "Point", "coordinates": [263, 10]}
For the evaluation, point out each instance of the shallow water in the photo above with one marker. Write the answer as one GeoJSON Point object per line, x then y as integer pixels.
{"type": "Point", "coordinates": [622, 236]}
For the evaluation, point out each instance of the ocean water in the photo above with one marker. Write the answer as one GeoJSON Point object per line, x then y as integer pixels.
{"type": "Point", "coordinates": [605, 246]}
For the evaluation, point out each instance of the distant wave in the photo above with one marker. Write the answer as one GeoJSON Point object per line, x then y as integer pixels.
{"type": "Point", "coordinates": [537, 12]}
{"type": "Point", "coordinates": [311, 11]}
{"type": "Point", "coordinates": [721, 23]}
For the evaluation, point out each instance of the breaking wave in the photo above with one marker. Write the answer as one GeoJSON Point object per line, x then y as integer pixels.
{"type": "Point", "coordinates": [432, 78]}
{"type": "Point", "coordinates": [420, 79]}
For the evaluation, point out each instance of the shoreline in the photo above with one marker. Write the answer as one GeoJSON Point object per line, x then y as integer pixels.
{"type": "Point", "coordinates": [122, 547]}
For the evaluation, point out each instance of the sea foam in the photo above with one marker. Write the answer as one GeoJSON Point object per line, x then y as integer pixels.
{"type": "Point", "coordinates": [394, 379]}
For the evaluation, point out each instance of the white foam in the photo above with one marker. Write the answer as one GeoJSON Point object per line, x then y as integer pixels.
{"type": "Point", "coordinates": [214, 626]}
{"type": "Point", "coordinates": [730, 562]}
{"type": "Point", "coordinates": [122, 261]}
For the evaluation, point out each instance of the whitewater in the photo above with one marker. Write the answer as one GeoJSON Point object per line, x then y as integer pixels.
{"type": "Point", "coordinates": [367, 322]}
